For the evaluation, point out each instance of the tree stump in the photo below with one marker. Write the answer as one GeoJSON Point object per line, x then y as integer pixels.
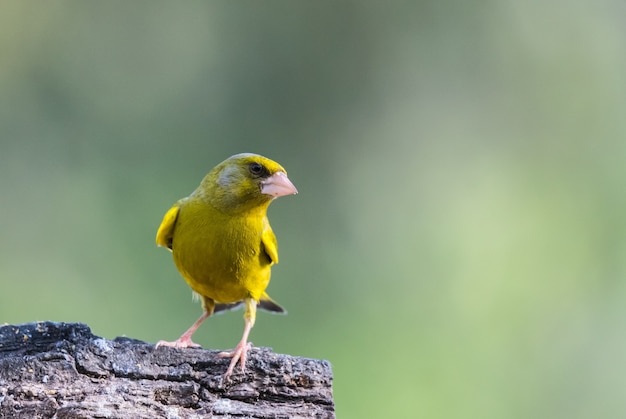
{"type": "Point", "coordinates": [63, 371]}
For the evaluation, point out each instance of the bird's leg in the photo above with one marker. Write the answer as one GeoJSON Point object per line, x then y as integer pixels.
{"type": "Point", "coordinates": [241, 351]}
{"type": "Point", "coordinates": [184, 341]}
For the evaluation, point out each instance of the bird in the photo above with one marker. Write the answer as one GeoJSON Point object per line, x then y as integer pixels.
{"type": "Point", "coordinates": [223, 245]}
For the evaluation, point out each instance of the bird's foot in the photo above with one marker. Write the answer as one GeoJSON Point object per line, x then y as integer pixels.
{"type": "Point", "coordinates": [182, 342]}
{"type": "Point", "coordinates": [238, 354]}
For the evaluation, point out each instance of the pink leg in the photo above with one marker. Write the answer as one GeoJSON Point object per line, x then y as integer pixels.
{"type": "Point", "coordinates": [185, 340]}
{"type": "Point", "coordinates": [241, 351]}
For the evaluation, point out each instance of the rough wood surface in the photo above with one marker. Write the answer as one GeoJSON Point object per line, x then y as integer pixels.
{"type": "Point", "coordinates": [63, 371]}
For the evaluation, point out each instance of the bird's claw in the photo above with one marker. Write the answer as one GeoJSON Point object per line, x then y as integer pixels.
{"type": "Point", "coordinates": [238, 354]}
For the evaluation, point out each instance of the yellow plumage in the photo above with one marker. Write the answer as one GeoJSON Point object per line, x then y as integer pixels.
{"type": "Point", "coordinates": [222, 242]}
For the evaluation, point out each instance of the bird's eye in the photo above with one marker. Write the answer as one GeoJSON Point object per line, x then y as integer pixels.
{"type": "Point", "coordinates": [256, 168]}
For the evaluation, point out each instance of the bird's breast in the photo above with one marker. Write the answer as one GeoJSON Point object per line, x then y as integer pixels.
{"type": "Point", "coordinates": [220, 256]}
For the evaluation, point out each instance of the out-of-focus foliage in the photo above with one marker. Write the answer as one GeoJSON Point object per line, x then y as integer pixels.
{"type": "Point", "coordinates": [458, 246]}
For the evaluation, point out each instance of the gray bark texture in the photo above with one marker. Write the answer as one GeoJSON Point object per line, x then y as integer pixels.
{"type": "Point", "coordinates": [63, 371]}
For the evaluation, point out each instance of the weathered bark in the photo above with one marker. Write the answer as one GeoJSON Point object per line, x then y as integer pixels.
{"type": "Point", "coordinates": [61, 370]}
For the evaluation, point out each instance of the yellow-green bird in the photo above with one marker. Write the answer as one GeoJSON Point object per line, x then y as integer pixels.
{"type": "Point", "coordinates": [223, 244]}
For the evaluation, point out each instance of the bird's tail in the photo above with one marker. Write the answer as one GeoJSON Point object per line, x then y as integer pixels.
{"type": "Point", "coordinates": [219, 307]}
{"type": "Point", "coordinates": [268, 304]}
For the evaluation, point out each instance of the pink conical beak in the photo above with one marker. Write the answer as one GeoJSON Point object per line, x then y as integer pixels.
{"type": "Point", "coordinates": [278, 185]}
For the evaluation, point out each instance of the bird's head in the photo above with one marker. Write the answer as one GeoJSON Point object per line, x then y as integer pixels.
{"type": "Point", "coordinates": [245, 181]}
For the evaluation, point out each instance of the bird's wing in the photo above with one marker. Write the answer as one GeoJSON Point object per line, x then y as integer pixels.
{"type": "Point", "coordinates": [269, 244]}
{"type": "Point", "coordinates": [166, 229]}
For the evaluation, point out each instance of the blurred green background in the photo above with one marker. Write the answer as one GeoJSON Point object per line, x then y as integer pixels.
{"type": "Point", "coordinates": [458, 246]}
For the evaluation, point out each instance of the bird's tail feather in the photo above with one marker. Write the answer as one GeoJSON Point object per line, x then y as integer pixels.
{"type": "Point", "coordinates": [266, 303]}
{"type": "Point", "coordinates": [219, 307]}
